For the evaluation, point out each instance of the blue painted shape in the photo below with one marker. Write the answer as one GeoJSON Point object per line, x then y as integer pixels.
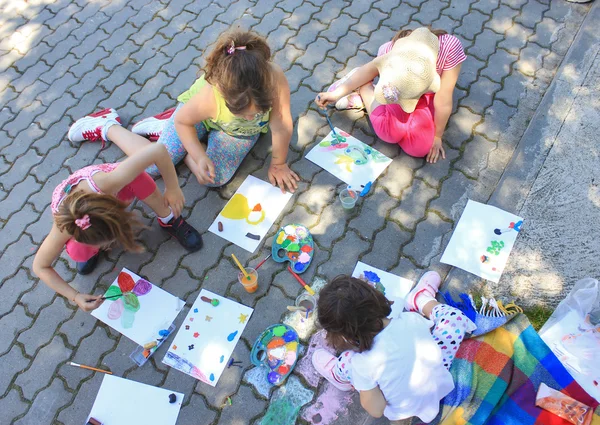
{"type": "Point", "coordinates": [195, 310]}
{"type": "Point", "coordinates": [221, 359]}
{"type": "Point", "coordinates": [163, 332]}
{"type": "Point", "coordinates": [232, 336]}
{"type": "Point", "coordinates": [212, 377]}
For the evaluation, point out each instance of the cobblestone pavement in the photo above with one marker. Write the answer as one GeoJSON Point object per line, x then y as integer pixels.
{"type": "Point", "coordinates": [62, 59]}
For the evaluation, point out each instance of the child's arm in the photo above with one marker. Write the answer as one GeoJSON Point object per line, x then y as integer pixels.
{"type": "Point", "coordinates": [362, 76]}
{"type": "Point", "coordinates": [373, 402]}
{"type": "Point", "coordinates": [133, 166]}
{"type": "Point", "coordinates": [200, 107]}
{"type": "Point", "coordinates": [42, 267]}
{"type": "Point", "coordinates": [281, 128]}
{"type": "Point", "coordinates": [442, 103]}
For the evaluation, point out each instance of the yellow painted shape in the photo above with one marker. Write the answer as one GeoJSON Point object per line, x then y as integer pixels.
{"type": "Point", "coordinates": [238, 209]}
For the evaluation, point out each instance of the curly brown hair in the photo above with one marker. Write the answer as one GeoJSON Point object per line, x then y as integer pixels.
{"type": "Point", "coordinates": [110, 221]}
{"type": "Point", "coordinates": [244, 77]}
{"type": "Point", "coordinates": [352, 312]}
{"type": "Point", "coordinates": [403, 33]}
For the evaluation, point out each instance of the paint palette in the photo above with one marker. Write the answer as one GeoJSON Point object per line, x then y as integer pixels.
{"type": "Point", "coordinates": [294, 243]}
{"type": "Point", "coordinates": [277, 349]}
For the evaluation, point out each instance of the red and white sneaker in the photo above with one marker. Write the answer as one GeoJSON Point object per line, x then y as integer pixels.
{"type": "Point", "coordinates": [93, 127]}
{"type": "Point", "coordinates": [152, 127]}
{"type": "Point", "coordinates": [427, 286]}
{"type": "Point", "coordinates": [324, 362]}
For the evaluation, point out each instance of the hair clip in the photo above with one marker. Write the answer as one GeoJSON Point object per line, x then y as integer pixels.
{"type": "Point", "coordinates": [390, 93]}
{"type": "Point", "coordinates": [84, 222]}
{"type": "Point", "coordinates": [232, 48]}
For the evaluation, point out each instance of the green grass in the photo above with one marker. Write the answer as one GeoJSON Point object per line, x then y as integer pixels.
{"type": "Point", "coordinates": [538, 315]}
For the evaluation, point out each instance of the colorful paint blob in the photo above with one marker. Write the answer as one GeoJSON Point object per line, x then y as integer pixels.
{"type": "Point", "coordinates": [294, 244]}
{"type": "Point", "coordinates": [277, 349]}
{"type": "Point", "coordinates": [231, 336]}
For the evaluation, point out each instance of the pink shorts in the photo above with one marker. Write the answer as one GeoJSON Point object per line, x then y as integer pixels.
{"type": "Point", "coordinates": [414, 132]}
{"type": "Point", "coordinates": [140, 188]}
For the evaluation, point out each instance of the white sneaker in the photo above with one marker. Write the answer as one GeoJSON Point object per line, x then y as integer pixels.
{"type": "Point", "coordinates": [324, 362]}
{"type": "Point", "coordinates": [93, 127]}
{"type": "Point", "coordinates": [152, 127]}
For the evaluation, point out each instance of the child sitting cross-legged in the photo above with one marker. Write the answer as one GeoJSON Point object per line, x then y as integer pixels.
{"type": "Point", "coordinates": [399, 365]}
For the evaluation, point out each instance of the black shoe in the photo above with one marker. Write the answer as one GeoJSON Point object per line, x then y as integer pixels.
{"type": "Point", "coordinates": [86, 267]}
{"type": "Point", "coordinates": [187, 236]}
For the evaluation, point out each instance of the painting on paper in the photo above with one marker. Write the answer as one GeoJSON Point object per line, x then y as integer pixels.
{"type": "Point", "coordinates": [250, 213]}
{"type": "Point", "coordinates": [124, 402]}
{"type": "Point", "coordinates": [395, 288]}
{"type": "Point", "coordinates": [352, 161]}
{"type": "Point", "coordinates": [138, 309]}
{"type": "Point", "coordinates": [482, 240]}
{"type": "Point", "coordinates": [207, 337]}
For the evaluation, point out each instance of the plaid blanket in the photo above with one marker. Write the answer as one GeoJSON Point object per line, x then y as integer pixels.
{"type": "Point", "coordinates": [497, 376]}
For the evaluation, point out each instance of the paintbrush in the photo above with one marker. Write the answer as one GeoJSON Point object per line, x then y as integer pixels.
{"type": "Point", "coordinates": [295, 308]}
{"type": "Point", "coordinates": [90, 368]}
{"type": "Point", "coordinates": [335, 135]}
{"type": "Point", "coordinates": [262, 262]}
{"type": "Point", "coordinates": [301, 282]}
{"type": "Point", "coordinates": [112, 296]}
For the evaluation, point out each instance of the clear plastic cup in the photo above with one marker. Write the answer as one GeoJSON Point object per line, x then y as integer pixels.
{"type": "Point", "coordinates": [250, 285]}
{"type": "Point", "coordinates": [308, 302]}
{"type": "Point", "coordinates": [348, 197]}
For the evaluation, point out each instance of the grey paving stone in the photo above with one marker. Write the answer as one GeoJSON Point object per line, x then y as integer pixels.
{"type": "Point", "coordinates": [399, 175]}
{"type": "Point", "coordinates": [433, 174]}
{"type": "Point", "coordinates": [245, 407]}
{"type": "Point", "coordinates": [77, 327]}
{"type": "Point", "coordinates": [427, 241]}
{"type": "Point", "coordinates": [195, 409]}
{"type": "Point", "coordinates": [386, 247]}
{"type": "Point", "coordinates": [80, 407]}
{"type": "Point", "coordinates": [413, 204]}
{"type": "Point", "coordinates": [43, 367]}
{"type": "Point", "coordinates": [89, 352]}
{"type": "Point", "coordinates": [52, 164]}
{"type": "Point", "coordinates": [21, 143]}
{"type": "Point", "coordinates": [46, 403]}
{"type": "Point", "coordinates": [373, 213]}
{"type": "Point", "coordinates": [431, 12]}
{"type": "Point", "coordinates": [349, 44]}
{"type": "Point", "coordinates": [181, 284]}
{"type": "Point", "coordinates": [516, 38]}
{"type": "Point", "coordinates": [57, 89]}
{"type": "Point", "coordinates": [290, 5]}
{"type": "Point", "coordinates": [481, 95]}
{"type": "Point", "coordinates": [531, 59]}
{"type": "Point", "coordinates": [15, 226]}
{"type": "Point", "coordinates": [502, 19]}
{"type": "Point", "coordinates": [496, 120]}
{"type": "Point", "coordinates": [472, 25]}
{"type": "Point", "coordinates": [12, 405]}
{"type": "Point", "coordinates": [45, 326]}
{"type": "Point", "coordinates": [13, 363]}
{"type": "Point", "coordinates": [453, 196]}
{"type": "Point", "coordinates": [499, 65]}
{"type": "Point", "coordinates": [23, 119]}
{"type": "Point", "coordinates": [148, 375]}
{"type": "Point", "coordinates": [486, 6]}
{"type": "Point", "coordinates": [18, 173]}
{"type": "Point", "coordinates": [91, 27]}
{"type": "Point", "coordinates": [344, 255]}
{"type": "Point", "coordinates": [485, 44]}
{"type": "Point", "coordinates": [460, 127]}
{"type": "Point", "coordinates": [531, 13]}
{"type": "Point", "coordinates": [306, 34]}
{"type": "Point", "coordinates": [475, 156]}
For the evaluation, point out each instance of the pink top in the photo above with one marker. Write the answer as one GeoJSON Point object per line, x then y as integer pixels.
{"type": "Point", "coordinates": [86, 173]}
{"type": "Point", "coordinates": [451, 52]}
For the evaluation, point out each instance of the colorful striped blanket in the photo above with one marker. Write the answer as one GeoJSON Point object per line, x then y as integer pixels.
{"type": "Point", "coordinates": [497, 376]}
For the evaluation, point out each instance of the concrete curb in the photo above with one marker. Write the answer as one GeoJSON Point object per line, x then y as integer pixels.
{"type": "Point", "coordinates": [539, 137]}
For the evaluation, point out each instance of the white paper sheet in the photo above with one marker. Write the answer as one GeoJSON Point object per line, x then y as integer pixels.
{"type": "Point", "coordinates": [124, 402]}
{"type": "Point", "coordinates": [207, 337]}
{"type": "Point", "coordinates": [482, 240]}
{"type": "Point", "coordinates": [396, 287]}
{"type": "Point", "coordinates": [157, 309]}
{"type": "Point", "coordinates": [353, 162]}
{"type": "Point", "coordinates": [252, 209]}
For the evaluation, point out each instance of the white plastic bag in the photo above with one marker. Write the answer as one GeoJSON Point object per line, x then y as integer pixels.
{"type": "Point", "coordinates": [573, 334]}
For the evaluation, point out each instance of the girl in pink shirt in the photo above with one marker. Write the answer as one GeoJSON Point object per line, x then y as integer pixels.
{"type": "Point", "coordinates": [412, 101]}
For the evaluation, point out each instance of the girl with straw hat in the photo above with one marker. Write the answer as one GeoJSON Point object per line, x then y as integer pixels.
{"type": "Point", "coordinates": [412, 101]}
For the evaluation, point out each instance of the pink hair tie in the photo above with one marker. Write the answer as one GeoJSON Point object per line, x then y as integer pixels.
{"type": "Point", "coordinates": [84, 222]}
{"type": "Point", "coordinates": [231, 49]}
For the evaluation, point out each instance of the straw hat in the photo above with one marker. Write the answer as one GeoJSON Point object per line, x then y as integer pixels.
{"type": "Point", "coordinates": [409, 70]}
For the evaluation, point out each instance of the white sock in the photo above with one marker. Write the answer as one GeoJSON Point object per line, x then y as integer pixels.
{"type": "Point", "coordinates": [165, 220]}
{"type": "Point", "coordinates": [108, 125]}
{"type": "Point", "coordinates": [422, 299]}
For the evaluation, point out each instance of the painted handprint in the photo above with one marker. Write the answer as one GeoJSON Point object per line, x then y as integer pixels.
{"type": "Point", "coordinates": [495, 247]}
{"type": "Point", "coordinates": [125, 298]}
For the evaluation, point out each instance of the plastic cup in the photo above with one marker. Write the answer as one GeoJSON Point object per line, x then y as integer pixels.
{"type": "Point", "coordinates": [250, 285]}
{"type": "Point", "coordinates": [348, 198]}
{"type": "Point", "coordinates": [308, 302]}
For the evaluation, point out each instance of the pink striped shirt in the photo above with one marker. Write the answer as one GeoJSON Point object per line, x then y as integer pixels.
{"type": "Point", "coordinates": [451, 52]}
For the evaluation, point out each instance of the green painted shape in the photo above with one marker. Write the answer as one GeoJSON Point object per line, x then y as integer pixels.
{"type": "Point", "coordinates": [279, 330]}
{"type": "Point", "coordinates": [293, 247]}
{"type": "Point", "coordinates": [286, 403]}
{"type": "Point", "coordinates": [131, 302]}
{"type": "Point", "coordinates": [112, 291]}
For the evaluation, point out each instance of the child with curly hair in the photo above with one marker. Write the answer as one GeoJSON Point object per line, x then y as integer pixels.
{"type": "Point", "coordinates": [399, 366]}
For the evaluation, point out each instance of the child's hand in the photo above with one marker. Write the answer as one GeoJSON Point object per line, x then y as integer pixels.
{"type": "Point", "coordinates": [437, 151]}
{"type": "Point", "coordinates": [282, 176]}
{"type": "Point", "coordinates": [175, 200]}
{"type": "Point", "coordinates": [326, 98]}
{"type": "Point", "coordinates": [88, 302]}
{"type": "Point", "coordinates": [204, 170]}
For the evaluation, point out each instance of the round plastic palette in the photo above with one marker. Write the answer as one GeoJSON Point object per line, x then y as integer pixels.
{"type": "Point", "coordinates": [294, 243]}
{"type": "Point", "coordinates": [277, 349]}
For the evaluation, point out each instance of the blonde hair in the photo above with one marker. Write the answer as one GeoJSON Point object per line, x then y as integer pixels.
{"type": "Point", "coordinates": [109, 220]}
